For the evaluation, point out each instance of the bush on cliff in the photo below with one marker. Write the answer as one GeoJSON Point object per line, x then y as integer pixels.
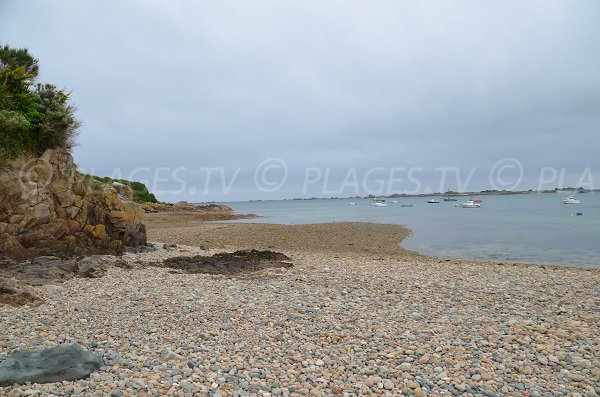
{"type": "Point", "coordinates": [141, 194]}
{"type": "Point", "coordinates": [33, 116]}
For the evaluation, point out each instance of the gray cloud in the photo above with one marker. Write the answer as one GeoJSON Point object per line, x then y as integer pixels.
{"type": "Point", "coordinates": [335, 84]}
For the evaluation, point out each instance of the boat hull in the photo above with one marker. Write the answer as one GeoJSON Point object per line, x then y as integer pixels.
{"type": "Point", "coordinates": [571, 200]}
{"type": "Point", "coordinates": [469, 204]}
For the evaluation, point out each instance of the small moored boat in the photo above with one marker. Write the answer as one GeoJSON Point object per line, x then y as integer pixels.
{"type": "Point", "coordinates": [571, 200]}
{"type": "Point", "coordinates": [469, 204]}
{"type": "Point", "coordinates": [379, 202]}
{"type": "Point", "coordinates": [433, 201]}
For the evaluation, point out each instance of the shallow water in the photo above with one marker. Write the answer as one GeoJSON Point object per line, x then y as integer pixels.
{"type": "Point", "coordinates": [532, 228]}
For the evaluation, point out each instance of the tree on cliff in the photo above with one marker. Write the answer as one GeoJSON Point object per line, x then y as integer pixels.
{"type": "Point", "coordinates": [33, 116]}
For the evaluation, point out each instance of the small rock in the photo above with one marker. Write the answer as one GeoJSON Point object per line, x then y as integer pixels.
{"type": "Point", "coordinates": [576, 377]}
{"type": "Point", "coordinates": [554, 359]}
{"type": "Point", "coordinates": [414, 385]}
{"type": "Point", "coordinates": [92, 266]}
{"type": "Point", "coordinates": [169, 355]}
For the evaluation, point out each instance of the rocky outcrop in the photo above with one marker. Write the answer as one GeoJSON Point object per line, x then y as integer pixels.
{"type": "Point", "coordinates": [19, 280]}
{"type": "Point", "coordinates": [184, 207]}
{"type": "Point", "coordinates": [201, 212]}
{"type": "Point", "coordinates": [47, 208]}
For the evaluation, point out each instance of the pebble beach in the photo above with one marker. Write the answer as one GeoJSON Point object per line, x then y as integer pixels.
{"type": "Point", "coordinates": [356, 315]}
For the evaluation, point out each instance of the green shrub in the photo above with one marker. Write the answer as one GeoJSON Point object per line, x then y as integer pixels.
{"type": "Point", "coordinates": [33, 116]}
{"type": "Point", "coordinates": [141, 194]}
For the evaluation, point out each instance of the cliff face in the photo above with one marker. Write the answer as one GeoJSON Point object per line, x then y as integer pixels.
{"type": "Point", "coordinates": [47, 208]}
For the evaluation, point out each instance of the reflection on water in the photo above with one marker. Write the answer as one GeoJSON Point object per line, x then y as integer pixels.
{"type": "Point", "coordinates": [534, 228]}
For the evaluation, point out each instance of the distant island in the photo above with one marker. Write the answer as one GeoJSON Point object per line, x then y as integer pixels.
{"type": "Point", "coordinates": [578, 190]}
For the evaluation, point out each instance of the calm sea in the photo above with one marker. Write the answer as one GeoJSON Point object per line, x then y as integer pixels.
{"type": "Point", "coordinates": [533, 228]}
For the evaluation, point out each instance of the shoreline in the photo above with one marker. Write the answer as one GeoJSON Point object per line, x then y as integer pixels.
{"type": "Point", "coordinates": [390, 231]}
{"type": "Point", "coordinates": [337, 237]}
{"type": "Point", "coordinates": [369, 318]}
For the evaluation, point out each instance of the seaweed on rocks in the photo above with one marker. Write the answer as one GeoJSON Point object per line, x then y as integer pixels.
{"type": "Point", "coordinates": [242, 261]}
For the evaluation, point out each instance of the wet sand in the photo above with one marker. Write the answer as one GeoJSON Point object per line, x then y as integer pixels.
{"type": "Point", "coordinates": [344, 238]}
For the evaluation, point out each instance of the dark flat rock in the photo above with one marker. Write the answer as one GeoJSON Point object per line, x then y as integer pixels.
{"type": "Point", "coordinates": [57, 364]}
{"type": "Point", "coordinates": [242, 261]}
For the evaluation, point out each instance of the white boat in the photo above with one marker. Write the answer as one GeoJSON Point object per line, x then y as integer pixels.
{"type": "Point", "coordinates": [469, 204]}
{"type": "Point", "coordinates": [379, 202]}
{"type": "Point", "coordinates": [394, 201]}
{"type": "Point", "coordinates": [571, 200]}
{"type": "Point", "coordinates": [433, 201]}
{"type": "Point", "coordinates": [351, 203]}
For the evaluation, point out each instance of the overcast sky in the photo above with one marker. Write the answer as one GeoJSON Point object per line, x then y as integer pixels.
{"type": "Point", "coordinates": [334, 94]}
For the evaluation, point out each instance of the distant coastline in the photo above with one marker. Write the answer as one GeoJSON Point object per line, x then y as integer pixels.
{"type": "Point", "coordinates": [449, 193]}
